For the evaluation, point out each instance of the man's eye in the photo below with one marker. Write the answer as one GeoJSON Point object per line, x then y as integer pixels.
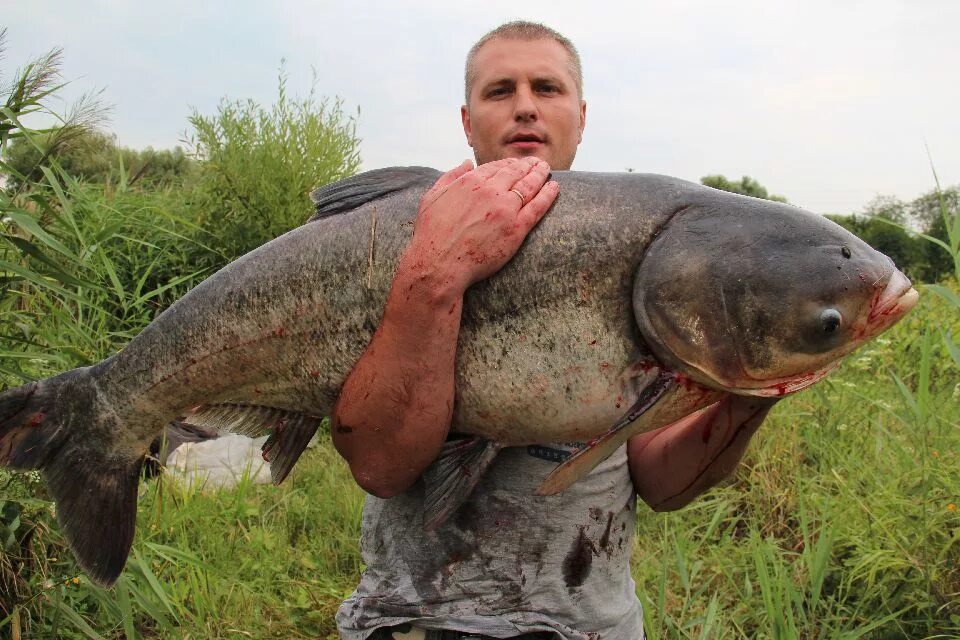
{"type": "Point", "coordinates": [549, 88]}
{"type": "Point", "coordinates": [499, 91]}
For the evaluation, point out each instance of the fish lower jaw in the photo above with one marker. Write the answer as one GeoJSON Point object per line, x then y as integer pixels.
{"type": "Point", "coordinates": [786, 386]}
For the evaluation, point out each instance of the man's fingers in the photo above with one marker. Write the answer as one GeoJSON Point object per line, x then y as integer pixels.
{"type": "Point", "coordinates": [508, 175]}
{"type": "Point", "coordinates": [525, 176]}
{"type": "Point", "coordinates": [446, 180]}
{"type": "Point", "coordinates": [453, 175]}
{"type": "Point", "coordinates": [529, 185]}
{"type": "Point", "coordinates": [534, 210]}
{"type": "Point", "coordinates": [504, 173]}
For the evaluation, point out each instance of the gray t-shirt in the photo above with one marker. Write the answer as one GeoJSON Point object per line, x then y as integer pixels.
{"type": "Point", "coordinates": [508, 562]}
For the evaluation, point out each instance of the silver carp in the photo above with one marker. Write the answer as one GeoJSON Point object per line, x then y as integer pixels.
{"type": "Point", "coordinates": [637, 300]}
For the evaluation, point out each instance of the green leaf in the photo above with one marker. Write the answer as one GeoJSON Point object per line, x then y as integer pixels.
{"type": "Point", "coordinates": [66, 204]}
{"type": "Point", "coordinates": [173, 555]}
{"type": "Point", "coordinates": [169, 285]}
{"type": "Point", "coordinates": [907, 395]}
{"type": "Point", "coordinates": [945, 293]}
{"type": "Point", "coordinates": [29, 223]}
{"type": "Point", "coordinates": [76, 619]}
{"type": "Point", "coordinates": [55, 270]}
{"type": "Point", "coordinates": [126, 611]}
{"type": "Point", "coordinates": [952, 347]}
{"type": "Point", "coordinates": [706, 631]}
{"type": "Point", "coordinates": [39, 281]}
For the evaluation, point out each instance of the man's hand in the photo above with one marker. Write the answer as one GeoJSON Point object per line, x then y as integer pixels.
{"type": "Point", "coordinates": [472, 221]}
{"type": "Point", "coordinates": [673, 465]}
{"type": "Point", "coordinates": [395, 407]}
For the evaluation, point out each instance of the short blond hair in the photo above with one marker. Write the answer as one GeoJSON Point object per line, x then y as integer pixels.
{"type": "Point", "coordinates": [523, 30]}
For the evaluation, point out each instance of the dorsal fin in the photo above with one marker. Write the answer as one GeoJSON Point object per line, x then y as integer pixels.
{"type": "Point", "coordinates": [349, 194]}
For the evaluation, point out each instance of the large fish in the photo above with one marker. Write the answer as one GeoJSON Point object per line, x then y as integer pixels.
{"type": "Point", "coordinates": [638, 300]}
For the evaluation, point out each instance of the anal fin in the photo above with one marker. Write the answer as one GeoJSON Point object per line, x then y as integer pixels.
{"type": "Point", "coordinates": [289, 431]}
{"type": "Point", "coordinates": [452, 477]}
{"type": "Point", "coordinates": [663, 401]}
{"type": "Point", "coordinates": [285, 444]}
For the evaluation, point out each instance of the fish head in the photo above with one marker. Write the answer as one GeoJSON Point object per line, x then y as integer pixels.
{"type": "Point", "coordinates": [761, 298]}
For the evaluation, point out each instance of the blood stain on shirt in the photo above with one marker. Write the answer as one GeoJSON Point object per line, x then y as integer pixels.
{"type": "Point", "coordinates": [579, 561]}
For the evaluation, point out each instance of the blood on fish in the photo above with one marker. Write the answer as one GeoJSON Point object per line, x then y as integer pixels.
{"type": "Point", "coordinates": [36, 419]}
{"type": "Point", "coordinates": [315, 373]}
{"type": "Point", "coordinates": [278, 332]}
{"type": "Point", "coordinates": [685, 382]}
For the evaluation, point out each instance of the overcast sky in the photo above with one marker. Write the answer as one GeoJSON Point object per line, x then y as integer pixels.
{"type": "Point", "coordinates": [827, 103]}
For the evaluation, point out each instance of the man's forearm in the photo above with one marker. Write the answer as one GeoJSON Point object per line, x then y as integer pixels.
{"type": "Point", "coordinates": [395, 407]}
{"type": "Point", "coordinates": [394, 411]}
{"type": "Point", "coordinates": [673, 465]}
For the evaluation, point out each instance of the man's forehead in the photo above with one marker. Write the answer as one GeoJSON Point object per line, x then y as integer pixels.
{"type": "Point", "coordinates": [505, 58]}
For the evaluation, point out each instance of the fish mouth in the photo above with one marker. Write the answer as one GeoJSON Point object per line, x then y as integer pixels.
{"type": "Point", "coordinates": [896, 299]}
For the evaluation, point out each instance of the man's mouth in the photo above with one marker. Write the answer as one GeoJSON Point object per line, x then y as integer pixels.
{"type": "Point", "coordinates": [525, 140]}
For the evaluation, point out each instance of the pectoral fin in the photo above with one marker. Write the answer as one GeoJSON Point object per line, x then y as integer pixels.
{"type": "Point", "coordinates": [664, 400]}
{"type": "Point", "coordinates": [450, 480]}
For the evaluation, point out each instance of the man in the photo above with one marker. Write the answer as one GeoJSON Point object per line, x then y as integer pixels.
{"type": "Point", "coordinates": [508, 564]}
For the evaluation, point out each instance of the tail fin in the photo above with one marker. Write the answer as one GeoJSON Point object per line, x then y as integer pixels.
{"type": "Point", "coordinates": [56, 426]}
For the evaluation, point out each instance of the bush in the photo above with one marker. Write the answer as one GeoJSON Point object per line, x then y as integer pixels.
{"type": "Point", "coordinates": [258, 166]}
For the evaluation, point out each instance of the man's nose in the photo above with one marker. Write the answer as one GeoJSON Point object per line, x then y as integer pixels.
{"type": "Point", "coordinates": [525, 105]}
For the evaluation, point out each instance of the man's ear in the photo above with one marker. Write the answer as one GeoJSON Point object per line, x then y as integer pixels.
{"type": "Point", "coordinates": [468, 128]}
{"type": "Point", "coordinates": [583, 118]}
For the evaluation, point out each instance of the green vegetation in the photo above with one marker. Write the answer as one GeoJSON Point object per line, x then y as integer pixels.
{"type": "Point", "coordinates": [841, 523]}
{"type": "Point", "coordinates": [885, 223]}
{"type": "Point", "coordinates": [93, 156]}
{"type": "Point", "coordinates": [745, 186]}
{"type": "Point", "coordinates": [259, 165]}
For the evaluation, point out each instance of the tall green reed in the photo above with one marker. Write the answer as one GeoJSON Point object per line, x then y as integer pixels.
{"type": "Point", "coordinates": [78, 280]}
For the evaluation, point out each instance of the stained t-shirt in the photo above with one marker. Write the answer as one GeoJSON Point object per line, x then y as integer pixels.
{"type": "Point", "coordinates": [508, 561]}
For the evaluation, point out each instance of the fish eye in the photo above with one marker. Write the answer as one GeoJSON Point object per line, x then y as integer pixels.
{"type": "Point", "coordinates": [845, 251]}
{"type": "Point", "coordinates": [830, 320]}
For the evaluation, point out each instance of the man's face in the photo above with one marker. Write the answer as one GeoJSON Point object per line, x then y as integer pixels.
{"type": "Point", "coordinates": [524, 102]}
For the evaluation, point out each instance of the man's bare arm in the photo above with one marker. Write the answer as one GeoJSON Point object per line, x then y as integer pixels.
{"type": "Point", "coordinates": [673, 465]}
{"type": "Point", "coordinates": [395, 407]}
